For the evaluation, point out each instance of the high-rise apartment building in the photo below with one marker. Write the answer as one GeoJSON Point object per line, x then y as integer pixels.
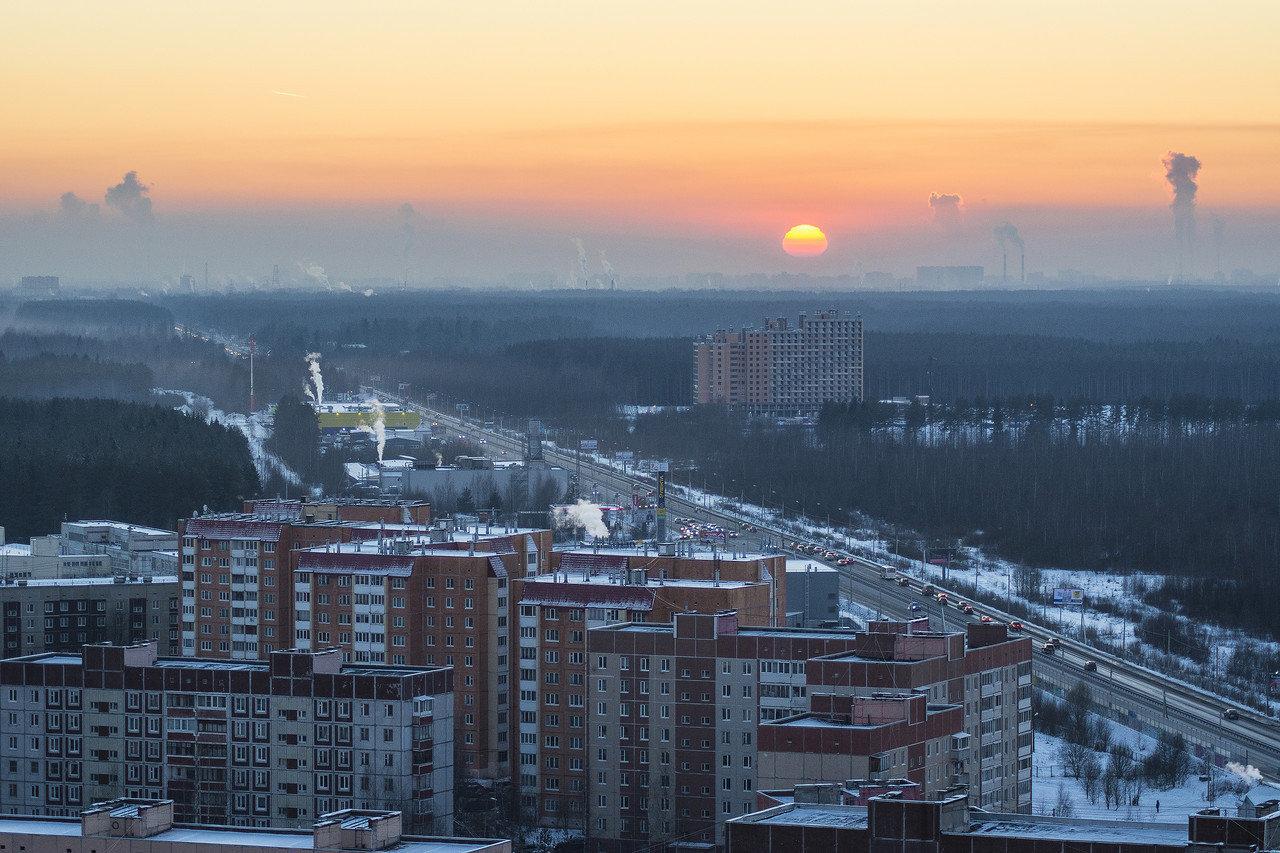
{"type": "Point", "coordinates": [780, 368]}
{"type": "Point", "coordinates": [239, 743]}
{"type": "Point", "coordinates": [685, 721]}
{"type": "Point", "coordinates": [587, 591]}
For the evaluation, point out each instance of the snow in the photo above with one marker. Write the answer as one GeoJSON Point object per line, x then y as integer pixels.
{"type": "Point", "coordinates": [256, 429]}
{"type": "Point", "coordinates": [1047, 776]}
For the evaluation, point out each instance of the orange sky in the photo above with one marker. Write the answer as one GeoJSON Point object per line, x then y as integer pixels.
{"type": "Point", "coordinates": [741, 118]}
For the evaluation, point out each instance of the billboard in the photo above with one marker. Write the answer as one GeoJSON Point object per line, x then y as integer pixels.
{"type": "Point", "coordinates": [1068, 597]}
{"type": "Point", "coordinates": [624, 455]}
{"type": "Point", "coordinates": [587, 444]}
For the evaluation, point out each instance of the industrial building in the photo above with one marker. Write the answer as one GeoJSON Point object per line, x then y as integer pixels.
{"type": "Point", "coordinates": [780, 368]}
{"type": "Point", "coordinates": [244, 744]}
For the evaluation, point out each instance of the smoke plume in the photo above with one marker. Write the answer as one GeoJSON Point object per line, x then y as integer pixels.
{"type": "Point", "coordinates": [130, 198]}
{"type": "Point", "coordinates": [1247, 772]}
{"type": "Point", "coordinates": [608, 267]}
{"type": "Point", "coordinates": [583, 514]}
{"type": "Point", "coordinates": [313, 364]}
{"type": "Point", "coordinates": [75, 209]}
{"type": "Point", "coordinates": [1006, 234]}
{"type": "Point", "coordinates": [947, 209]}
{"type": "Point", "coordinates": [314, 271]}
{"type": "Point", "coordinates": [1181, 171]}
{"type": "Point", "coordinates": [378, 427]}
{"type": "Point", "coordinates": [582, 259]}
{"type": "Point", "coordinates": [406, 215]}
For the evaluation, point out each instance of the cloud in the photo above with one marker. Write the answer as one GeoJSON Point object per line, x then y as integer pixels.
{"type": "Point", "coordinates": [130, 198]}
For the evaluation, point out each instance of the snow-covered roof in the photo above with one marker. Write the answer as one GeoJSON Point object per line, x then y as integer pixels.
{"type": "Point", "coordinates": [234, 528]}
{"type": "Point", "coordinates": [355, 562]}
{"type": "Point", "coordinates": [610, 596]}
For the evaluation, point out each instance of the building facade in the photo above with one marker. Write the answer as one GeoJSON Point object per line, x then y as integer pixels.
{"type": "Point", "coordinates": [64, 614]}
{"type": "Point", "coordinates": [242, 744]}
{"type": "Point", "coordinates": [783, 368]}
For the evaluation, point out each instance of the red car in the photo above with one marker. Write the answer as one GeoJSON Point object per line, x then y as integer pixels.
{"type": "Point", "coordinates": [968, 609]}
{"type": "Point", "coordinates": [1015, 625]}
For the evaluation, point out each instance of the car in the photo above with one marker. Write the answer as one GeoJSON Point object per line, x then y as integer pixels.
{"type": "Point", "coordinates": [1090, 666]}
{"type": "Point", "coordinates": [1230, 714]}
{"type": "Point", "coordinates": [927, 589]}
{"type": "Point", "coordinates": [1015, 625]}
{"type": "Point", "coordinates": [1048, 648]}
{"type": "Point", "coordinates": [904, 581]}
{"type": "Point", "coordinates": [986, 618]}
{"type": "Point", "coordinates": [943, 599]}
{"type": "Point", "coordinates": [914, 607]}
{"type": "Point", "coordinates": [843, 561]}
{"type": "Point", "coordinates": [966, 609]}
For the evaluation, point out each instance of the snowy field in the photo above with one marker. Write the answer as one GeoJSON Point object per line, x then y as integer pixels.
{"type": "Point", "coordinates": [1050, 785]}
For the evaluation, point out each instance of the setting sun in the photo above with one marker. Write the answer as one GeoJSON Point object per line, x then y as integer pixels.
{"type": "Point", "coordinates": [804, 241]}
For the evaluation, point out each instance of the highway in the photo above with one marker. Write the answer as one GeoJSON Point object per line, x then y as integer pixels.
{"type": "Point", "coordinates": [1133, 695]}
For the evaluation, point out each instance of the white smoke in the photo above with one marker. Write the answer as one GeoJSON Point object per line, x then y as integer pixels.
{"type": "Point", "coordinates": [313, 364]}
{"type": "Point", "coordinates": [583, 514]}
{"type": "Point", "coordinates": [1247, 772]}
{"type": "Point", "coordinates": [315, 272]}
{"type": "Point", "coordinates": [582, 260]}
{"type": "Point", "coordinates": [378, 428]}
{"type": "Point", "coordinates": [608, 267]}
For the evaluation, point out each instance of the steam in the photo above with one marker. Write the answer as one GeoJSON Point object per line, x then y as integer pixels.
{"type": "Point", "coordinates": [1006, 234]}
{"type": "Point", "coordinates": [378, 429]}
{"type": "Point", "coordinates": [1247, 772]}
{"type": "Point", "coordinates": [608, 267]}
{"type": "Point", "coordinates": [406, 215]}
{"type": "Point", "coordinates": [76, 209]}
{"type": "Point", "coordinates": [1181, 171]}
{"type": "Point", "coordinates": [314, 271]}
{"type": "Point", "coordinates": [947, 208]}
{"type": "Point", "coordinates": [583, 514]}
{"type": "Point", "coordinates": [130, 198]}
{"type": "Point", "coordinates": [313, 364]}
{"type": "Point", "coordinates": [582, 259]}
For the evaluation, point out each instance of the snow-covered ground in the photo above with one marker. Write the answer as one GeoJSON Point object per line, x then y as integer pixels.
{"type": "Point", "coordinates": [256, 429]}
{"type": "Point", "coordinates": [1048, 779]}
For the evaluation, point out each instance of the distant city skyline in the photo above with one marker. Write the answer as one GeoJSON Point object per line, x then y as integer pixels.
{"type": "Point", "coordinates": [412, 141]}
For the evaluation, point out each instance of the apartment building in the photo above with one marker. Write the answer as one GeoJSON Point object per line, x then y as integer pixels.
{"type": "Point", "coordinates": [983, 670]}
{"type": "Point", "coordinates": [783, 368]}
{"type": "Point", "coordinates": [679, 716]}
{"type": "Point", "coordinates": [136, 824]}
{"type": "Point", "coordinates": [588, 590]}
{"type": "Point", "coordinates": [236, 743]}
{"type": "Point", "coordinates": [63, 614]}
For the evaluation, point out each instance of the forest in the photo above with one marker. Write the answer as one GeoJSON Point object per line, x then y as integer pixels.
{"type": "Point", "coordinates": [92, 458]}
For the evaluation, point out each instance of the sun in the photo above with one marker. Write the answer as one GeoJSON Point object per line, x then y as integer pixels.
{"type": "Point", "coordinates": [804, 241]}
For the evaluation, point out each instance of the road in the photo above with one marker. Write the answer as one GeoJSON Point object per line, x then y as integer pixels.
{"type": "Point", "coordinates": [1132, 694]}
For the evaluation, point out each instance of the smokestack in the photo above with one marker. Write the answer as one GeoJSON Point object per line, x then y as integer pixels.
{"type": "Point", "coordinates": [252, 350]}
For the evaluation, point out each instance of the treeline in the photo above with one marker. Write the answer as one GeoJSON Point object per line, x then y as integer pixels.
{"type": "Point", "coordinates": [76, 459]}
{"type": "Point", "coordinates": [950, 367]}
{"type": "Point", "coordinates": [46, 376]}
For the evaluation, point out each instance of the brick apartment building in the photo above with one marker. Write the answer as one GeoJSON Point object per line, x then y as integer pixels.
{"type": "Point", "coordinates": [680, 715]}
{"type": "Point", "coordinates": [235, 743]}
{"type": "Point", "coordinates": [380, 591]}
{"type": "Point", "coordinates": [589, 590]}
{"type": "Point", "coordinates": [783, 368]}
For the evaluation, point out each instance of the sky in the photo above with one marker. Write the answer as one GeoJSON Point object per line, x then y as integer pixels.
{"type": "Point", "coordinates": [477, 141]}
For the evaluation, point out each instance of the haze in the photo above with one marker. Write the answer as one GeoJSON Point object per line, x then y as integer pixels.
{"type": "Point", "coordinates": [473, 143]}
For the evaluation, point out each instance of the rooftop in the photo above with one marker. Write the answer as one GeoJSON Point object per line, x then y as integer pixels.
{"type": "Point", "coordinates": [230, 838]}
